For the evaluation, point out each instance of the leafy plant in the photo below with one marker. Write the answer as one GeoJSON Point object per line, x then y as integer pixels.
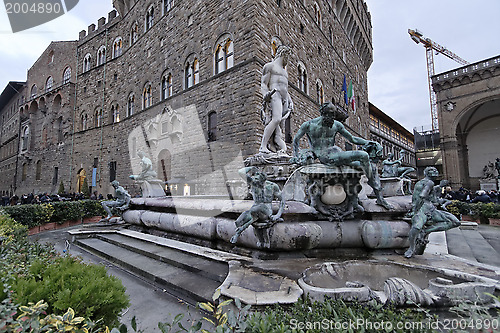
{"type": "Point", "coordinates": [66, 211]}
{"type": "Point", "coordinates": [69, 283]}
{"type": "Point", "coordinates": [10, 229]}
{"type": "Point", "coordinates": [61, 189]}
{"type": "Point", "coordinates": [225, 320]}
{"type": "Point", "coordinates": [30, 215]}
{"type": "Point", "coordinates": [92, 208]}
{"type": "Point", "coordinates": [85, 189]}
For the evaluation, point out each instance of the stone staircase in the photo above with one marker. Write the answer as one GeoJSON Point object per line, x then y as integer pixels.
{"type": "Point", "coordinates": [189, 272]}
{"type": "Point", "coordinates": [480, 244]}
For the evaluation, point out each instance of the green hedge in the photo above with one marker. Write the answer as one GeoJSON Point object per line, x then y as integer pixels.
{"type": "Point", "coordinates": [10, 230]}
{"type": "Point", "coordinates": [31, 272]}
{"type": "Point", "coordinates": [30, 215]}
{"type": "Point", "coordinates": [69, 283]}
{"type": "Point", "coordinates": [92, 208]}
{"type": "Point", "coordinates": [477, 210]}
{"type": "Point", "coordinates": [66, 211]}
{"type": "Point", "coordinates": [35, 215]}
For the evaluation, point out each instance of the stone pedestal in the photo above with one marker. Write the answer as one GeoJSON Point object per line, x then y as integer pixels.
{"type": "Point", "coordinates": [277, 168]}
{"type": "Point", "coordinates": [489, 184]}
{"type": "Point", "coordinates": [152, 188]}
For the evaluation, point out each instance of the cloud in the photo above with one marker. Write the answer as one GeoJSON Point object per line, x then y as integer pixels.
{"type": "Point", "coordinates": [19, 51]}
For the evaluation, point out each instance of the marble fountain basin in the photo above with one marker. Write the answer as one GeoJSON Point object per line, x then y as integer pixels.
{"type": "Point", "coordinates": [391, 282]}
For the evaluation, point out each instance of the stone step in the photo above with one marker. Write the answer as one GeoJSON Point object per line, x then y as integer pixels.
{"type": "Point", "coordinates": [457, 244]}
{"type": "Point", "coordinates": [214, 270]}
{"type": "Point", "coordinates": [184, 284]}
{"type": "Point", "coordinates": [482, 250]}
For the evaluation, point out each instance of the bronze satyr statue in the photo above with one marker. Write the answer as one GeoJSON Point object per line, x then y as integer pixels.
{"type": "Point", "coordinates": [426, 217]}
{"type": "Point", "coordinates": [321, 134]}
{"type": "Point", "coordinates": [121, 203]}
{"type": "Point", "coordinates": [260, 214]}
{"type": "Point", "coordinates": [393, 168]}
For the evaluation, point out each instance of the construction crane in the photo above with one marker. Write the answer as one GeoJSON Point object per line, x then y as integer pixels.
{"type": "Point", "coordinates": [430, 45]}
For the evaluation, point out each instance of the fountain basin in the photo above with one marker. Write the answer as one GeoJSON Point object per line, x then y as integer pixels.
{"type": "Point", "coordinates": [390, 282]}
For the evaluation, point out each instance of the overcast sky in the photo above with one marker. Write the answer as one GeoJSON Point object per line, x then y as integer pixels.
{"type": "Point", "coordinates": [397, 79]}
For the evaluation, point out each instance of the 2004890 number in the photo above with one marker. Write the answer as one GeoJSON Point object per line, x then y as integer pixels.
{"type": "Point", "coordinates": [34, 8]}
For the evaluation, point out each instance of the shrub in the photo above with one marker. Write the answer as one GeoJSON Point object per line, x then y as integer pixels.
{"type": "Point", "coordinates": [30, 215]}
{"type": "Point", "coordinates": [92, 208]}
{"type": "Point", "coordinates": [11, 230]}
{"type": "Point", "coordinates": [459, 208]}
{"type": "Point", "coordinates": [61, 190]}
{"type": "Point", "coordinates": [330, 313]}
{"type": "Point", "coordinates": [85, 189]}
{"type": "Point", "coordinates": [66, 211]}
{"type": "Point", "coordinates": [69, 283]}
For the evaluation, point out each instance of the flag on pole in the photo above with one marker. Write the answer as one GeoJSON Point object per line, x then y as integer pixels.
{"type": "Point", "coordinates": [344, 89]}
{"type": "Point", "coordinates": [352, 99]}
{"type": "Point", "coordinates": [349, 92]}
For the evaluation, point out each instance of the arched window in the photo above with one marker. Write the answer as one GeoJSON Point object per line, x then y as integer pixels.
{"type": "Point", "coordinates": [317, 14]}
{"type": "Point", "coordinates": [134, 33]}
{"type": "Point", "coordinates": [147, 97]}
{"type": "Point", "coordinates": [48, 84]}
{"type": "Point", "coordinates": [86, 62]}
{"type": "Point", "coordinates": [45, 136]}
{"type": "Point", "coordinates": [84, 121]}
{"type": "Point", "coordinates": [101, 55]}
{"type": "Point", "coordinates": [130, 105]}
{"type": "Point", "coordinates": [25, 172]}
{"type": "Point", "coordinates": [150, 18]}
{"type": "Point", "coordinates": [33, 91]}
{"type": "Point", "coordinates": [223, 56]}
{"type": "Point", "coordinates": [212, 126]}
{"type": "Point", "coordinates": [167, 5]}
{"type": "Point", "coordinates": [302, 76]}
{"type": "Point", "coordinates": [117, 47]}
{"type": "Point", "coordinates": [188, 75]}
{"type": "Point", "coordinates": [196, 71]}
{"type": "Point", "coordinates": [25, 138]}
{"type": "Point", "coordinates": [115, 114]}
{"type": "Point", "coordinates": [98, 118]}
{"type": "Point", "coordinates": [320, 94]}
{"type": "Point", "coordinates": [166, 86]}
{"type": "Point", "coordinates": [67, 75]}
{"type": "Point", "coordinates": [191, 73]}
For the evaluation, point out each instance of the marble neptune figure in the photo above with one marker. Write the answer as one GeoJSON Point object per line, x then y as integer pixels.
{"type": "Point", "coordinates": [274, 88]}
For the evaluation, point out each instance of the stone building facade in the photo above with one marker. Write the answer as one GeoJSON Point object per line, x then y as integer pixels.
{"type": "Point", "coordinates": [46, 120]}
{"type": "Point", "coordinates": [469, 120]}
{"type": "Point", "coordinates": [181, 82]}
{"type": "Point", "coordinates": [10, 101]}
{"type": "Point", "coordinates": [392, 136]}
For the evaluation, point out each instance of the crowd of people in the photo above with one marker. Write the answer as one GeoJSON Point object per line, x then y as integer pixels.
{"type": "Point", "coordinates": [42, 198]}
{"type": "Point", "coordinates": [468, 196]}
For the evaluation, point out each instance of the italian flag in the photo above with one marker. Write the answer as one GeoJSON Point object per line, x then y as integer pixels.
{"type": "Point", "coordinates": [351, 97]}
